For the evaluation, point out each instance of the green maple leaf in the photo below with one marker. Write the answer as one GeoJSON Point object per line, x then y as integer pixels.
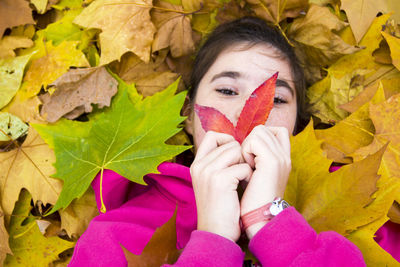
{"type": "Point", "coordinates": [128, 138]}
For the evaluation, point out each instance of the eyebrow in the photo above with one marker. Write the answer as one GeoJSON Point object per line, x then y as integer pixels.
{"type": "Point", "coordinates": [283, 83]}
{"type": "Point", "coordinates": [236, 75]}
{"type": "Point", "coordinates": [228, 74]}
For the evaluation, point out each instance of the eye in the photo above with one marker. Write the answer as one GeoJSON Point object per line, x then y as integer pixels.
{"type": "Point", "coordinates": [226, 91]}
{"type": "Point", "coordinates": [279, 100]}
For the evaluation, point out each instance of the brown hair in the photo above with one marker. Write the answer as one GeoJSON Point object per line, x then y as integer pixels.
{"type": "Point", "coordinates": [252, 31]}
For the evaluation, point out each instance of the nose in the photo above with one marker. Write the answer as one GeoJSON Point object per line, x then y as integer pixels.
{"type": "Point", "coordinates": [237, 110]}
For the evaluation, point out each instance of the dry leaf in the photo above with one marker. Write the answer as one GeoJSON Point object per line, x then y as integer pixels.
{"type": "Point", "coordinates": [11, 73]}
{"type": "Point", "coordinates": [4, 247]}
{"type": "Point", "coordinates": [77, 216]}
{"type": "Point", "coordinates": [40, 5]}
{"type": "Point", "coordinates": [156, 82]}
{"type": "Point", "coordinates": [9, 43]}
{"type": "Point", "coordinates": [331, 201]}
{"type": "Point", "coordinates": [277, 10]}
{"type": "Point", "coordinates": [76, 91]}
{"type": "Point", "coordinates": [56, 61]}
{"type": "Point", "coordinates": [131, 68]}
{"type": "Point", "coordinates": [382, 54]}
{"type": "Point", "coordinates": [361, 13]}
{"type": "Point", "coordinates": [325, 107]}
{"type": "Point", "coordinates": [161, 249]}
{"type": "Point", "coordinates": [30, 167]}
{"type": "Point", "coordinates": [26, 109]}
{"type": "Point", "coordinates": [394, 44]}
{"type": "Point", "coordinates": [352, 133]}
{"type": "Point", "coordinates": [173, 30]}
{"type": "Point", "coordinates": [14, 13]}
{"type": "Point", "coordinates": [317, 41]}
{"type": "Point", "coordinates": [29, 246]}
{"type": "Point", "coordinates": [385, 116]}
{"type": "Point", "coordinates": [11, 127]}
{"type": "Point", "coordinates": [131, 18]}
{"type": "Point", "coordinates": [363, 238]}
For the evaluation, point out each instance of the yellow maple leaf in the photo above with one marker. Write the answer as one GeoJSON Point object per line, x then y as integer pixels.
{"type": "Point", "coordinates": [385, 117]}
{"type": "Point", "coordinates": [173, 29]}
{"type": "Point", "coordinates": [352, 133]}
{"type": "Point", "coordinates": [55, 62]}
{"type": "Point", "coordinates": [331, 201]}
{"type": "Point", "coordinates": [394, 44]}
{"type": "Point", "coordinates": [363, 238]}
{"type": "Point", "coordinates": [29, 166]}
{"type": "Point", "coordinates": [324, 105]}
{"type": "Point", "coordinates": [126, 26]}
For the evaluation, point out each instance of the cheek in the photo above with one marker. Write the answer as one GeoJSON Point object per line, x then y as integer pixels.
{"type": "Point", "coordinates": [282, 118]}
{"type": "Point", "coordinates": [199, 133]}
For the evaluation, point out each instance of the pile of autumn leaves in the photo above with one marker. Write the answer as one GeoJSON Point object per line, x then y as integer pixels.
{"type": "Point", "coordinates": [76, 72]}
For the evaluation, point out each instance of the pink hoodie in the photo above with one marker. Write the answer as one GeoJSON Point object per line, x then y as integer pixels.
{"type": "Point", "coordinates": [134, 212]}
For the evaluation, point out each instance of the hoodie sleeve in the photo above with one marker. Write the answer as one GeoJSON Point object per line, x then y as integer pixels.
{"type": "Point", "coordinates": [209, 249]}
{"type": "Point", "coordinates": [288, 240]}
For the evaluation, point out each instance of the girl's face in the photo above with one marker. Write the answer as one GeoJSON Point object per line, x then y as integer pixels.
{"type": "Point", "coordinates": [236, 73]}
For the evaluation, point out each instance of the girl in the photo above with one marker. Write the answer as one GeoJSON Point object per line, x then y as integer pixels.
{"type": "Point", "coordinates": [237, 57]}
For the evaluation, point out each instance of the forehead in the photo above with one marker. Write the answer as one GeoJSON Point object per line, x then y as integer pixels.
{"type": "Point", "coordinates": [254, 61]}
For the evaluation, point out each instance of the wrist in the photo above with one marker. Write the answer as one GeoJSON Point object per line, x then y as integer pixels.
{"type": "Point", "coordinates": [252, 230]}
{"type": "Point", "coordinates": [254, 220]}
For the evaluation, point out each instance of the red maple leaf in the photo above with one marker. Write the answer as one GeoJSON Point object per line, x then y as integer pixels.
{"type": "Point", "coordinates": [255, 112]}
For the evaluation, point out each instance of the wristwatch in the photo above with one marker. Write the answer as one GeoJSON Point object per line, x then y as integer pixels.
{"type": "Point", "coordinates": [277, 206]}
{"type": "Point", "coordinates": [264, 213]}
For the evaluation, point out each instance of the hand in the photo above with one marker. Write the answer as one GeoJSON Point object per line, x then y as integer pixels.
{"type": "Point", "coordinates": [216, 172]}
{"type": "Point", "coordinates": [267, 151]}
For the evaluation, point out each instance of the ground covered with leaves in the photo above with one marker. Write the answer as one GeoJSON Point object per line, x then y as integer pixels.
{"type": "Point", "coordinates": [93, 85]}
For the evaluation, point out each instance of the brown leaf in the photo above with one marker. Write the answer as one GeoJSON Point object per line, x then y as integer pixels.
{"type": "Point", "coordinates": [277, 10]}
{"type": "Point", "coordinates": [14, 13]}
{"type": "Point", "coordinates": [4, 247]}
{"type": "Point", "coordinates": [361, 13]}
{"type": "Point", "coordinates": [174, 30]}
{"type": "Point", "coordinates": [9, 43]}
{"type": "Point", "coordinates": [317, 40]}
{"type": "Point", "coordinates": [77, 90]}
{"type": "Point", "coordinates": [161, 248]}
{"type": "Point", "coordinates": [29, 166]}
{"type": "Point", "coordinates": [155, 82]}
{"type": "Point", "coordinates": [382, 54]}
{"type": "Point", "coordinates": [126, 26]}
{"type": "Point", "coordinates": [232, 10]}
{"type": "Point", "coordinates": [77, 216]}
{"type": "Point", "coordinates": [131, 68]}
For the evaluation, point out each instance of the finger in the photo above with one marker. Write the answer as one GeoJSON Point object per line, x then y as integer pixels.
{"type": "Point", "coordinates": [211, 141]}
{"type": "Point", "coordinates": [282, 135]}
{"type": "Point", "coordinates": [260, 143]}
{"type": "Point", "coordinates": [222, 157]}
{"type": "Point", "coordinates": [238, 172]}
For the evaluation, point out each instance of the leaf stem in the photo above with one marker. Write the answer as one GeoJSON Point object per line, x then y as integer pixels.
{"type": "Point", "coordinates": [103, 207]}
